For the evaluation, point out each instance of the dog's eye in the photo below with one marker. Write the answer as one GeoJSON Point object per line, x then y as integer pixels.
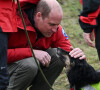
{"type": "Point", "coordinates": [73, 64]}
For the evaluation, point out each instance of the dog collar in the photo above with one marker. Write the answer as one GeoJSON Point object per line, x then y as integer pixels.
{"type": "Point", "coordinates": [72, 89]}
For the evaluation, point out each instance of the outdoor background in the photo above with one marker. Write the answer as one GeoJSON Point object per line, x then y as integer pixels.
{"type": "Point", "coordinates": [71, 9]}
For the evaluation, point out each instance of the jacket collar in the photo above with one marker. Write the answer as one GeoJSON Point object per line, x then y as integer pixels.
{"type": "Point", "coordinates": [29, 26]}
{"type": "Point", "coordinates": [30, 15]}
{"type": "Point", "coordinates": [23, 3]}
{"type": "Point", "coordinates": [29, 21]}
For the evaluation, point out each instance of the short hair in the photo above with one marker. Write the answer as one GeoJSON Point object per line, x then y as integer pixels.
{"type": "Point", "coordinates": [44, 8]}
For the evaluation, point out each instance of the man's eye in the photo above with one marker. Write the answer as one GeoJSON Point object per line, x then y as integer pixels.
{"type": "Point", "coordinates": [52, 24]}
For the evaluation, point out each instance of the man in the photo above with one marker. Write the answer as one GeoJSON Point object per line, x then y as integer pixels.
{"type": "Point", "coordinates": [42, 23]}
{"type": "Point", "coordinates": [7, 24]}
{"type": "Point", "coordinates": [90, 21]}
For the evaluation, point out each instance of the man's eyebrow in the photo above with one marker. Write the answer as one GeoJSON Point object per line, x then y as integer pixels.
{"type": "Point", "coordinates": [53, 23]}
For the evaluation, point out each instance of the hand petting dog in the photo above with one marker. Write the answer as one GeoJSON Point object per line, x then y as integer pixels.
{"type": "Point", "coordinates": [77, 53]}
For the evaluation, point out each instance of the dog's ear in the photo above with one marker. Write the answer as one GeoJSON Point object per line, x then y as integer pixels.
{"type": "Point", "coordinates": [62, 51]}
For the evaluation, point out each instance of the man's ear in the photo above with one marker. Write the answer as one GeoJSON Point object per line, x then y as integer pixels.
{"type": "Point", "coordinates": [38, 15]}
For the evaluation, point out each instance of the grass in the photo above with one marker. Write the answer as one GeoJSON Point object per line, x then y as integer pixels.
{"type": "Point", "coordinates": [71, 9]}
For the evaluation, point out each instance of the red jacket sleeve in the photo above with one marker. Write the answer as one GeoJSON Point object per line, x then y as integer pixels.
{"type": "Point", "coordinates": [8, 16]}
{"type": "Point", "coordinates": [14, 55]}
{"type": "Point", "coordinates": [88, 16]}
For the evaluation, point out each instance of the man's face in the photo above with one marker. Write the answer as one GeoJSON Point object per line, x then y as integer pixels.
{"type": "Point", "coordinates": [48, 25]}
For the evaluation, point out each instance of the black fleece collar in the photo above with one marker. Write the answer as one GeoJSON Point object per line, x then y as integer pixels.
{"type": "Point", "coordinates": [30, 14]}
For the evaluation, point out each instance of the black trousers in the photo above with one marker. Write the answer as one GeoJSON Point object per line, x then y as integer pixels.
{"type": "Point", "coordinates": [3, 60]}
{"type": "Point", "coordinates": [98, 51]}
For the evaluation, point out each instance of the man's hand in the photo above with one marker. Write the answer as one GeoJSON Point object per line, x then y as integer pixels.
{"type": "Point", "coordinates": [77, 53]}
{"type": "Point", "coordinates": [43, 57]}
{"type": "Point", "coordinates": [88, 37]}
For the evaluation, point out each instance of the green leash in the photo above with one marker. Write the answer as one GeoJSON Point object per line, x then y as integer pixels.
{"type": "Point", "coordinates": [31, 46]}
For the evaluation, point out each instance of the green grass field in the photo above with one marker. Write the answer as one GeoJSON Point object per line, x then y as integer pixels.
{"type": "Point", "coordinates": [71, 9]}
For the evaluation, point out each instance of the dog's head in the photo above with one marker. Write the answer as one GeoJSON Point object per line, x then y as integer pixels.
{"type": "Point", "coordinates": [79, 72]}
{"type": "Point", "coordinates": [69, 61]}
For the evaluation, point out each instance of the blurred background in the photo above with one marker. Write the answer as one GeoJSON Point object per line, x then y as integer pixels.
{"type": "Point", "coordinates": [71, 9]}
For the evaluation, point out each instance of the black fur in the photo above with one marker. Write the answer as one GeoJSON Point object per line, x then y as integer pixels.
{"type": "Point", "coordinates": [80, 73]}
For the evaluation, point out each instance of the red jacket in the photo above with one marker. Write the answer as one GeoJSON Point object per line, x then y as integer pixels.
{"type": "Point", "coordinates": [8, 16]}
{"type": "Point", "coordinates": [24, 2]}
{"type": "Point", "coordinates": [18, 47]}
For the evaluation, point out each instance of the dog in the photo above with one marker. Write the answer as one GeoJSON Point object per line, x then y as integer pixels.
{"type": "Point", "coordinates": [79, 72]}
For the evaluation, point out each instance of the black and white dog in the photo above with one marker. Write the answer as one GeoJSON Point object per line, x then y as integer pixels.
{"type": "Point", "coordinates": [79, 72]}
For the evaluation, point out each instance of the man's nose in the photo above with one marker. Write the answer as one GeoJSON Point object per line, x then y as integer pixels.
{"type": "Point", "coordinates": [54, 28]}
